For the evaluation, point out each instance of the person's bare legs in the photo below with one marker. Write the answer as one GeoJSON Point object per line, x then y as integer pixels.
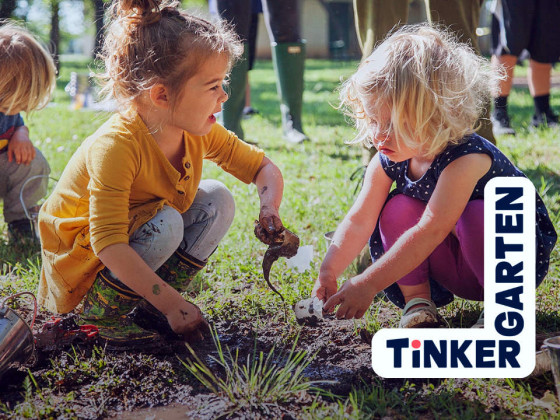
{"type": "Point", "coordinates": [416, 291]}
{"type": "Point", "coordinates": [538, 77]}
{"type": "Point", "coordinates": [500, 117]}
{"type": "Point", "coordinates": [508, 63]}
{"type": "Point", "coordinates": [539, 85]}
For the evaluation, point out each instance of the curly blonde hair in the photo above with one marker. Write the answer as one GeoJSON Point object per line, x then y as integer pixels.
{"type": "Point", "coordinates": [434, 87]}
{"type": "Point", "coordinates": [27, 70]}
{"type": "Point", "coordinates": [152, 41]}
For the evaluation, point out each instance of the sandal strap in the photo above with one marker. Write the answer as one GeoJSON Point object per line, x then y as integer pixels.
{"type": "Point", "coordinates": [419, 301]}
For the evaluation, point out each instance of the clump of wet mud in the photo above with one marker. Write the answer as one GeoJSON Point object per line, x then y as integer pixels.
{"type": "Point", "coordinates": [87, 381]}
{"type": "Point", "coordinates": [280, 244]}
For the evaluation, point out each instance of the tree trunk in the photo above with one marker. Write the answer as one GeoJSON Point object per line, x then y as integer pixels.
{"type": "Point", "coordinates": [7, 8]}
{"type": "Point", "coordinates": [55, 32]}
{"type": "Point", "coordinates": [99, 11]}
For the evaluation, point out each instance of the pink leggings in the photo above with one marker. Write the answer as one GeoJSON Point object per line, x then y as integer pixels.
{"type": "Point", "coordinates": [457, 263]}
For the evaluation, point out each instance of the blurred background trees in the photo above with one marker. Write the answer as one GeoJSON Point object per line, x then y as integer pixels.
{"type": "Point", "coordinates": [66, 26]}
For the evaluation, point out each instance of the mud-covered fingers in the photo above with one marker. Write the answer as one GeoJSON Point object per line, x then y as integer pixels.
{"type": "Point", "coordinates": [276, 224]}
{"type": "Point", "coordinates": [263, 236]}
{"type": "Point", "coordinates": [198, 332]}
{"type": "Point", "coordinates": [272, 225]}
{"type": "Point", "coordinates": [269, 219]}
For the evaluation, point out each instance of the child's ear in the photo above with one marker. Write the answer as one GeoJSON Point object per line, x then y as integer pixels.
{"type": "Point", "coordinates": [159, 96]}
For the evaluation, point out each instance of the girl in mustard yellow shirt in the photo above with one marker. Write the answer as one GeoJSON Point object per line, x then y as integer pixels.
{"type": "Point", "coordinates": [130, 221]}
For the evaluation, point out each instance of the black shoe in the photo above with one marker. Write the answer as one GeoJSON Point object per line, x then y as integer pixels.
{"type": "Point", "coordinates": [21, 231]}
{"type": "Point", "coordinates": [546, 119]}
{"type": "Point", "coordinates": [501, 124]}
{"type": "Point", "coordinates": [249, 111]}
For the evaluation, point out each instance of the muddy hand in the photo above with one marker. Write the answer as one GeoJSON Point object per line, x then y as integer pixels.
{"type": "Point", "coordinates": [285, 245]}
{"type": "Point", "coordinates": [188, 322]}
{"type": "Point", "coordinates": [199, 333]}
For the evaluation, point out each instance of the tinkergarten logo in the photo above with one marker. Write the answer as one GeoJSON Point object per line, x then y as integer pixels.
{"type": "Point", "coordinates": [505, 347]}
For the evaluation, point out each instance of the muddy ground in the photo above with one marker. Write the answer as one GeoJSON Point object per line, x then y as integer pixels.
{"type": "Point", "coordinates": [127, 381]}
{"type": "Point", "coordinates": [88, 382]}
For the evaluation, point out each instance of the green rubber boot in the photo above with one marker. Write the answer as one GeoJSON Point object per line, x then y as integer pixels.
{"type": "Point", "coordinates": [106, 306]}
{"type": "Point", "coordinates": [232, 109]}
{"type": "Point", "coordinates": [289, 63]}
{"type": "Point", "coordinates": [178, 271]}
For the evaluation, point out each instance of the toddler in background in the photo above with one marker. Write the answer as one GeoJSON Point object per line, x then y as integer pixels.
{"type": "Point", "coordinates": [416, 99]}
{"type": "Point", "coordinates": [27, 80]}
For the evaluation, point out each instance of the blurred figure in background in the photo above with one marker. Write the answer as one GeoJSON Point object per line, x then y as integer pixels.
{"type": "Point", "coordinates": [288, 56]}
{"type": "Point", "coordinates": [256, 10]}
{"type": "Point", "coordinates": [531, 25]}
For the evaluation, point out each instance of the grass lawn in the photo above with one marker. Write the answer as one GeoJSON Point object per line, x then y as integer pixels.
{"type": "Point", "coordinates": [318, 192]}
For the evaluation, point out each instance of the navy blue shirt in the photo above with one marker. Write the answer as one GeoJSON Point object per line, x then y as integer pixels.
{"type": "Point", "coordinates": [423, 189]}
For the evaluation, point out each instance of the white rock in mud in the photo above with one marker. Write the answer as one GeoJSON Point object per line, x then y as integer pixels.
{"type": "Point", "coordinates": [309, 311]}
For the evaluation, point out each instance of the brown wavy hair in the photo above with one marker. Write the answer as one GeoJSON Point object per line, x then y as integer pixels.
{"type": "Point", "coordinates": [153, 41]}
{"type": "Point", "coordinates": [27, 71]}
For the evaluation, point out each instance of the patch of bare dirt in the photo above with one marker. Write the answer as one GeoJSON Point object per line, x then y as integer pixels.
{"type": "Point", "coordinates": [88, 382]}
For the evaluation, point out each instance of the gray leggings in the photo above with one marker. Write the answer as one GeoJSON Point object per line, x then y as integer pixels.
{"type": "Point", "coordinates": [198, 231]}
{"type": "Point", "coordinates": [13, 177]}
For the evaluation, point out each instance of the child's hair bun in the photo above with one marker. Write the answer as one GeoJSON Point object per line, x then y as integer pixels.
{"type": "Point", "coordinates": [143, 12]}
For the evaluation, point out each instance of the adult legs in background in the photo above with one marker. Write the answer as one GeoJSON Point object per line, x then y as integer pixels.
{"type": "Point", "coordinates": [238, 13]}
{"type": "Point", "coordinates": [462, 17]}
{"type": "Point", "coordinates": [288, 56]}
{"type": "Point", "coordinates": [533, 26]}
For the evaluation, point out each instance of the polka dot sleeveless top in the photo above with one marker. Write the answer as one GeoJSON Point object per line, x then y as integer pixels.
{"type": "Point", "coordinates": [423, 188]}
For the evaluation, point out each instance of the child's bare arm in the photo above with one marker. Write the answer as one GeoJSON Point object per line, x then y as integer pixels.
{"type": "Point", "coordinates": [130, 268]}
{"type": "Point", "coordinates": [354, 231]}
{"type": "Point", "coordinates": [270, 186]}
{"type": "Point", "coordinates": [20, 147]}
{"type": "Point", "coordinates": [448, 202]}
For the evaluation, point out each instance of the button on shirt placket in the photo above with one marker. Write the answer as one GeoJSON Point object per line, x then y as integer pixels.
{"type": "Point", "coordinates": [187, 165]}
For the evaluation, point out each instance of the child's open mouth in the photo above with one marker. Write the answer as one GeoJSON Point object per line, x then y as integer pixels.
{"type": "Point", "coordinates": [212, 118]}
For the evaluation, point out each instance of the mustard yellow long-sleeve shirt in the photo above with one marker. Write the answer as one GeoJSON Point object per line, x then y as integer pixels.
{"type": "Point", "coordinates": [115, 182]}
